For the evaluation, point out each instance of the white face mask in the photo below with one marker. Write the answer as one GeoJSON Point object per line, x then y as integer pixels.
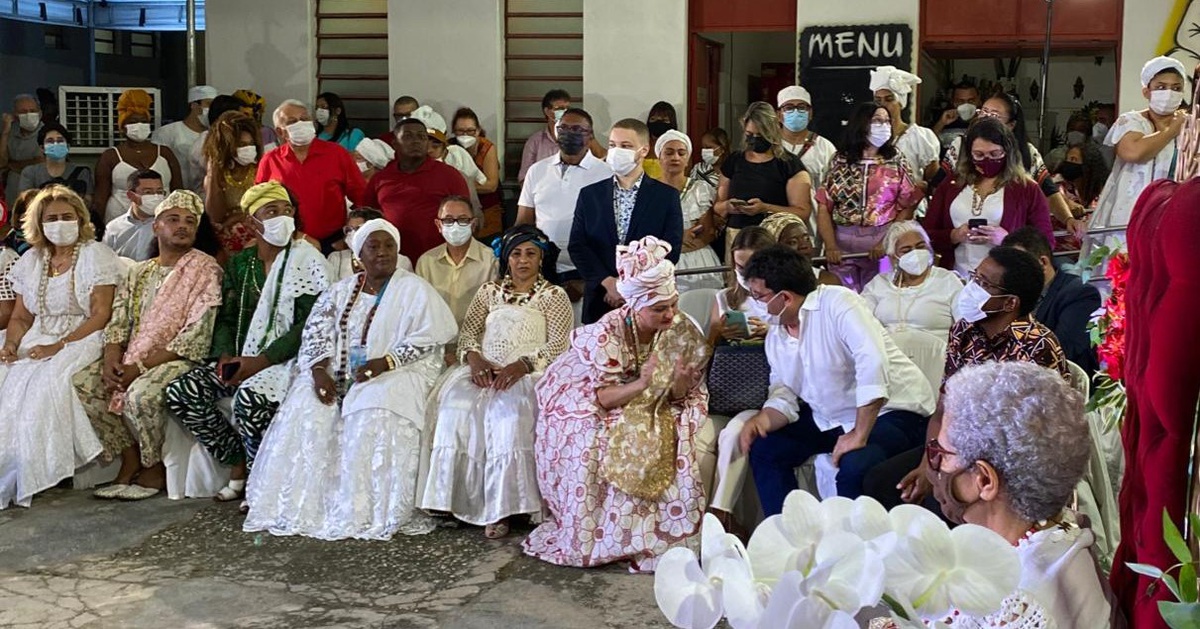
{"type": "Point", "coordinates": [149, 203]}
{"type": "Point", "coordinates": [1165, 102]}
{"type": "Point", "coordinates": [879, 134]}
{"type": "Point", "coordinates": [741, 280]}
{"type": "Point", "coordinates": [968, 305]}
{"type": "Point", "coordinates": [621, 160]}
{"type": "Point", "coordinates": [772, 319]}
{"type": "Point", "coordinates": [966, 111]}
{"type": "Point", "coordinates": [708, 156]}
{"type": "Point", "coordinates": [29, 121]}
{"type": "Point", "coordinates": [301, 133]}
{"type": "Point", "coordinates": [61, 233]}
{"type": "Point", "coordinates": [465, 141]}
{"type": "Point", "coordinates": [322, 115]}
{"type": "Point", "coordinates": [456, 235]}
{"type": "Point", "coordinates": [204, 117]}
{"type": "Point", "coordinates": [916, 262]}
{"type": "Point", "coordinates": [362, 166]}
{"type": "Point", "coordinates": [1099, 131]}
{"type": "Point", "coordinates": [278, 230]}
{"type": "Point", "coordinates": [138, 131]}
{"type": "Point", "coordinates": [246, 155]}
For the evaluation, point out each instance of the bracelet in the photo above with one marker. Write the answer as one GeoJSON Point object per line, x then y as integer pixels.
{"type": "Point", "coordinates": [525, 360]}
{"type": "Point", "coordinates": [391, 362]}
{"type": "Point", "coordinates": [320, 368]}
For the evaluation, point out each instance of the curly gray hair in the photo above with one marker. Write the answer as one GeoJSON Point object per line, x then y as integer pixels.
{"type": "Point", "coordinates": [1026, 421]}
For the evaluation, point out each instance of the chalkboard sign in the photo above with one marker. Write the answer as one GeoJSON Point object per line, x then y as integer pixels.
{"type": "Point", "coordinates": [835, 66]}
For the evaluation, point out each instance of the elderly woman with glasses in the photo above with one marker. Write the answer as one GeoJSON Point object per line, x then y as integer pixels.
{"type": "Point", "coordinates": [482, 468]}
{"type": "Point", "coordinates": [1008, 457]}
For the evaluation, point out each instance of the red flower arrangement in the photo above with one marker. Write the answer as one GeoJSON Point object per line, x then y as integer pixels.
{"type": "Point", "coordinates": [1108, 337]}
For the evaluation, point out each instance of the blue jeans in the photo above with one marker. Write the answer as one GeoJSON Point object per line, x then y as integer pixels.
{"type": "Point", "coordinates": [774, 458]}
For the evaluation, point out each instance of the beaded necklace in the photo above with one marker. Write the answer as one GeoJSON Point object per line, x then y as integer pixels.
{"type": "Point", "coordinates": [631, 330]}
{"type": "Point", "coordinates": [517, 298]}
{"type": "Point", "coordinates": [342, 374]}
{"type": "Point", "coordinates": [250, 278]}
{"type": "Point", "coordinates": [44, 282]}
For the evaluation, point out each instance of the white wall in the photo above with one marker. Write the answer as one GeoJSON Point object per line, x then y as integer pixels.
{"type": "Point", "coordinates": [449, 54]}
{"type": "Point", "coordinates": [742, 57]}
{"type": "Point", "coordinates": [634, 54]}
{"type": "Point", "coordinates": [1143, 28]}
{"type": "Point", "coordinates": [268, 46]}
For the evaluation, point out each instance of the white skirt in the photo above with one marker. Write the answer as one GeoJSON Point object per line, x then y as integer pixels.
{"type": "Point", "coordinates": [701, 258]}
{"type": "Point", "coordinates": [482, 467]}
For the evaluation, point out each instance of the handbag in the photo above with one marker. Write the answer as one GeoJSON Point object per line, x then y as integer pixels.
{"type": "Point", "coordinates": [738, 379]}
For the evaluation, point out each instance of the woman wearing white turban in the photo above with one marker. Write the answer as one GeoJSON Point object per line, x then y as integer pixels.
{"type": "Point", "coordinates": [342, 457]}
{"type": "Point", "coordinates": [619, 411]}
{"type": "Point", "coordinates": [696, 198]}
{"type": "Point", "coordinates": [920, 146]}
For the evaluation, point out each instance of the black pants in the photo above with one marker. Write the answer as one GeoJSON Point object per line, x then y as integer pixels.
{"type": "Point", "coordinates": [880, 481]}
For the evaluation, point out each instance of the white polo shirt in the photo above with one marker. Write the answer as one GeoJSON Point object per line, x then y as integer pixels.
{"type": "Point", "coordinates": [552, 190]}
{"type": "Point", "coordinates": [843, 359]}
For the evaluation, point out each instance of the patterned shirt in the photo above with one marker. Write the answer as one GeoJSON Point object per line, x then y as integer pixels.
{"type": "Point", "coordinates": [870, 193]}
{"type": "Point", "coordinates": [8, 258]}
{"type": "Point", "coordinates": [1026, 340]}
{"type": "Point", "coordinates": [623, 202]}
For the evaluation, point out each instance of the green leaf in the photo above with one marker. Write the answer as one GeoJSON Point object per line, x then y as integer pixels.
{"type": "Point", "coordinates": [1146, 569]}
{"type": "Point", "coordinates": [1194, 518]}
{"type": "Point", "coordinates": [1180, 615]}
{"type": "Point", "coordinates": [896, 607]}
{"type": "Point", "coordinates": [1172, 585]}
{"type": "Point", "coordinates": [1187, 583]}
{"type": "Point", "coordinates": [1174, 539]}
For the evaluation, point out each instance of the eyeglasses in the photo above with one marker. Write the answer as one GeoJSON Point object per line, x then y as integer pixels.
{"type": "Point", "coordinates": [994, 113]}
{"type": "Point", "coordinates": [787, 109]}
{"type": "Point", "coordinates": [471, 131]}
{"type": "Point", "coordinates": [982, 156]}
{"type": "Point", "coordinates": [881, 121]}
{"type": "Point", "coordinates": [987, 284]}
{"type": "Point", "coordinates": [574, 128]}
{"type": "Point", "coordinates": [764, 298]}
{"type": "Point", "coordinates": [448, 222]}
{"type": "Point", "coordinates": [934, 452]}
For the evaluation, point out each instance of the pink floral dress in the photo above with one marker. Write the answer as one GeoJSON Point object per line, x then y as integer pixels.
{"type": "Point", "coordinates": [592, 522]}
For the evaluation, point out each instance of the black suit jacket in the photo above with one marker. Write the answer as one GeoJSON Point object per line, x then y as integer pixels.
{"type": "Point", "coordinates": [594, 241]}
{"type": "Point", "coordinates": [1066, 308]}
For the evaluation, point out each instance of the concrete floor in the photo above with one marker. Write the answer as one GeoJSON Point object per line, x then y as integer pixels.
{"type": "Point", "coordinates": [73, 561]}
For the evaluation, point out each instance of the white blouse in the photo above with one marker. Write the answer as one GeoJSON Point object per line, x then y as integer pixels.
{"type": "Point", "coordinates": [968, 255]}
{"type": "Point", "coordinates": [926, 306]}
{"type": "Point", "coordinates": [1128, 179]}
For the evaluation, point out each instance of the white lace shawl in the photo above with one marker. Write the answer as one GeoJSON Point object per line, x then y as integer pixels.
{"type": "Point", "coordinates": [97, 266]}
{"type": "Point", "coordinates": [307, 273]}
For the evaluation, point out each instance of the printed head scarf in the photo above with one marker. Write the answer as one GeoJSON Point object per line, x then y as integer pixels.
{"type": "Point", "coordinates": [132, 103]}
{"type": "Point", "coordinates": [901, 83]}
{"type": "Point", "coordinates": [262, 194]}
{"type": "Point", "coordinates": [779, 221]}
{"type": "Point", "coordinates": [255, 102]}
{"type": "Point", "coordinates": [644, 274]}
{"type": "Point", "coordinates": [359, 239]}
{"type": "Point", "coordinates": [182, 199]}
{"type": "Point", "coordinates": [516, 236]}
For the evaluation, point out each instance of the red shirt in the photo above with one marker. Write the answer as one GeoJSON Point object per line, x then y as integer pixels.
{"type": "Point", "coordinates": [411, 200]}
{"type": "Point", "coordinates": [320, 183]}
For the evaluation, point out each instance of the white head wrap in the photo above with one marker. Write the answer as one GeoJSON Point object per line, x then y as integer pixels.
{"type": "Point", "coordinates": [374, 225]}
{"type": "Point", "coordinates": [202, 92]}
{"type": "Point", "coordinates": [377, 152]}
{"type": "Point", "coordinates": [671, 136]}
{"type": "Point", "coordinates": [644, 274]}
{"type": "Point", "coordinates": [901, 83]}
{"type": "Point", "coordinates": [1158, 64]}
{"type": "Point", "coordinates": [792, 92]}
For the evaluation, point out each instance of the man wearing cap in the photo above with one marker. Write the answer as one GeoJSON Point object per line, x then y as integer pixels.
{"type": "Point", "coordinates": [132, 234]}
{"type": "Point", "coordinates": [920, 146]}
{"type": "Point", "coordinates": [795, 114]}
{"type": "Point", "coordinates": [182, 136]}
{"type": "Point", "coordinates": [410, 190]}
{"type": "Point", "coordinates": [161, 327]}
{"type": "Point", "coordinates": [321, 174]}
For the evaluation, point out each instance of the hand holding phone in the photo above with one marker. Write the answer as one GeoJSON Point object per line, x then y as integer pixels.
{"type": "Point", "coordinates": [229, 370]}
{"type": "Point", "coordinates": [976, 223]}
{"type": "Point", "coordinates": [737, 205]}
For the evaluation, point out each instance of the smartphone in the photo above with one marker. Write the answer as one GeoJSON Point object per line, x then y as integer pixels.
{"type": "Point", "coordinates": [229, 370]}
{"type": "Point", "coordinates": [738, 203]}
{"type": "Point", "coordinates": [737, 320]}
{"type": "Point", "coordinates": [975, 223]}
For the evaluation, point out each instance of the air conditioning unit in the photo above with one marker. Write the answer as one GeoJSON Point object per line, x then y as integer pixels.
{"type": "Point", "coordinates": [90, 114]}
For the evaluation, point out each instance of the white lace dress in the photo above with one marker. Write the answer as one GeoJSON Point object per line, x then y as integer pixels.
{"type": "Point", "coordinates": [482, 467]}
{"type": "Point", "coordinates": [44, 432]}
{"type": "Point", "coordinates": [696, 199]}
{"type": "Point", "coordinates": [350, 470]}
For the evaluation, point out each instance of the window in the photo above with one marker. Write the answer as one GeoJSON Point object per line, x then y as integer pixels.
{"type": "Point", "coordinates": [105, 42]}
{"type": "Point", "coordinates": [142, 44]}
{"type": "Point", "coordinates": [91, 115]}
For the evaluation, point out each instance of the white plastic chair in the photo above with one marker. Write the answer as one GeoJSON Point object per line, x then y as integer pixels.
{"type": "Point", "coordinates": [697, 303]}
{"type": "Point", "coordinates": [926, 350]}
{"type": "Point", "coordinates": [1094, 496]}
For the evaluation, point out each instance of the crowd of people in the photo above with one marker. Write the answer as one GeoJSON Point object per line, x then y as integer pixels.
{"type": "Point", "coordinates": [345, 323]}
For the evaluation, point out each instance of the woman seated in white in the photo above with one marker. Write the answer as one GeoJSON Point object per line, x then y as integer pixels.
{"type": "Point", "coordinates": [482, 468]}
{"type": "Point", "coordinates": [1008, 457]}
{"type": "Point", "coordinates": [916, 294]}
{"type": "Point", "coordinates": [342, 457]}
{"type": "Point", "coordinates": [737, 297]}
{"type": "Point", "coordinates": [64, 287]}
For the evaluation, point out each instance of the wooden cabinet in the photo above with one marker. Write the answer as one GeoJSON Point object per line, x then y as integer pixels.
{"type": "Point", "coordinates": [1019, 23]}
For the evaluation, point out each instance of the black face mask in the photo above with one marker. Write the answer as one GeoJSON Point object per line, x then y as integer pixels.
{"type": "Point", "coordinates": [758, 143]}
{"type": "Point", "coordinates": [1070, 170]}
{"type": "Point", "coordinates": [659, 127]}
{"type": "Point", "coordinates": [572, 143]}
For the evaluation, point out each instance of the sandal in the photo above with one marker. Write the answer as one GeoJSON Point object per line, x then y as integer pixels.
{"type": "Point", "coordinates": [496, 530]}
{"type": "Point", "coordinates": [244, 508]}
{"type": "Point", "coordinates": [110, 492]}
{"type": "Point", "coordinates": [230, 493]}
{"type": "Point", "coordinates": [136, 492]}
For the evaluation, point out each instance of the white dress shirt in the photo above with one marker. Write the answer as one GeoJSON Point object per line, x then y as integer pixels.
{"type": "Point", "coordinates": [842, 359]}
{"type": "Point", "coordinates": [816, 159]}
{"type": "Point", "coordinates": [130, 237]}
{"type": "Point", "coordinates": [552, 190]}
{"type": "Point", "coordinates": [926, 306]}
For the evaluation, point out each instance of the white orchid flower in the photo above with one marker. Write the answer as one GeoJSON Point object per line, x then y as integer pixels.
{"type": "Point", "coordinates": [793, 606]}
{"type": "Point", "coordinates": [970, 569]}
{"type": "Point", "coordinates": [690, 592]}
{"type": "Point", "coordinates": [788, 541]}
{"type": "Point", "coordinates": [864, 517]}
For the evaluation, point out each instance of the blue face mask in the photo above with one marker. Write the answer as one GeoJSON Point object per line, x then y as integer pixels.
{"type": "Point", "coordinates": [795, 120]}
{"type": "Point", "coordinates": [57, 152]}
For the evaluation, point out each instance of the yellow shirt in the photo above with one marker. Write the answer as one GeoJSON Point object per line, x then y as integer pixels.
{"type": "Point", "coordinates": [652, 167]}
{"type": "Point", "coordinates": [458, 283]}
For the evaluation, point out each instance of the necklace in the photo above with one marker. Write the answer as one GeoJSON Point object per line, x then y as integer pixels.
{"type": "Point", "coordinates": [44, 283]}
{"type": "Point", "coordinates": [239, 183]}
{"type": "Point", "coordinates": [250, 280]}
{"type": "Point", "coordinates": [978, 199]}
{"type": "Point", "coordinates": [514, 297]}
{"type": "Point", "coordinates": [638, 359]}
{"type": "Point", "coordinates": [342, 373]}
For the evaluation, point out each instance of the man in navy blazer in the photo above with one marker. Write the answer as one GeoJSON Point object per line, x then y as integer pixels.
{"type": "Point", "coordinates": [619, 210]}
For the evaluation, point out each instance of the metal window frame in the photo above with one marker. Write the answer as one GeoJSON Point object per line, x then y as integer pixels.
{"type": "Point", "coordinates": [97, 131]}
